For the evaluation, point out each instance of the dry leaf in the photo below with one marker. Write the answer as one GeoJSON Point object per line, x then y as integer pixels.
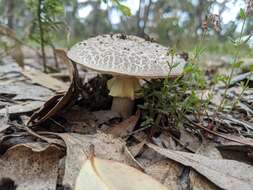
{"type": "Point", "coordinates": [22, 107]}
{"type": "Point", "coordinates": [24, 91]}
{"type": "Point", "coordinates": [125, 127]}
{"type": "Point", "coordinates": [136, 149]}
{"type": "Point", "coordinates": [31, 166]}
{"type": "Point", "coordinates": [58, 102]}
{"type": "Point", "coordinates": [78, 147]}
{"type": "Point", "coordinates": [100, 174]}
{"type": "Point", "coordinates": [226, 174]}
{"type": "Point", "coordinates": [236, 151]}
{"type": "Point", "coordinates": [45, 80]}
{"type": "Point", "coordinates": [198, 182]}
{"type": "Point", "coordinates": [3, 122]}
{"type": "Point", "coordinates": [167, 172]}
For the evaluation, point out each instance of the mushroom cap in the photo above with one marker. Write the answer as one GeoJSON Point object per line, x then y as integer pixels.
{"type": "Point", "coordinates": [126, 55]}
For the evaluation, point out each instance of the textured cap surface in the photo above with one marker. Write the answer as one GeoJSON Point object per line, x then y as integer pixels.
{"type": "Point", "coordinates": [125, 55]}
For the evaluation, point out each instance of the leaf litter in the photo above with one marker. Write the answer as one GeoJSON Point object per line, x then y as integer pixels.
{"type": "Point", "coordinates": [31, 166]}
{"type": "Point", "coordinates": [33, 157]}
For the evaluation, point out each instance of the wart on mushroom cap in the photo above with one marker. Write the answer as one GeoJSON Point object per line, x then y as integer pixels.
{"type": "Point", "coordinates": [127, 59]}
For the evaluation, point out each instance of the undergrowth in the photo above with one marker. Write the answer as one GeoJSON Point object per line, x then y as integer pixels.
{"type": "Point", "coordinates": [168, 101]}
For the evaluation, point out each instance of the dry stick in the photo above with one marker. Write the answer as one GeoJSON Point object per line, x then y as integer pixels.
{"type": "Point", "coordinates": [218, 134]}
{"type": "Point", "coordinates": [42, 37]}
{"type": "Point", "coordinates": [34, 134]}
{"type": "Point", "coordinates": [243, 90]}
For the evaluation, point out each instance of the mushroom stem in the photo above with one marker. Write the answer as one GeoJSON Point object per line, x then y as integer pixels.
{"type": "Point", "coordinates": [122, 90]}
{"type": "Point", "coordinates": [123, 106]}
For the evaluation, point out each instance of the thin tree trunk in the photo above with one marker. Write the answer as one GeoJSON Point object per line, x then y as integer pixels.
{"type": "Point", "coordinates": [96, 18]}
{"type": "Point", "coordinates": [42, 45]}
{"type": "Point", "coordinates": [10, 5]}
{"type": "Point", "coordinates": [143, 16]}
{"type": "Point", "coordinates": [145, 19]}
{"type": "Point", "coordinates": [140, 17]}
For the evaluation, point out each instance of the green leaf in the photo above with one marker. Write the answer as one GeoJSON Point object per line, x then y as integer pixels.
{"type": "Point", "coordinates": [251, 68]}
{"type": "Point", "coordinates": [124, 9]}
{"type": "Point", "coordinates": [237, 64]}
{"type": "Point", "coordinates": [242, 14]}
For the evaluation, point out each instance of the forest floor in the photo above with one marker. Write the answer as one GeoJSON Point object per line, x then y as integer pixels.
{"type": "Point", "coordinates": [49, 121]}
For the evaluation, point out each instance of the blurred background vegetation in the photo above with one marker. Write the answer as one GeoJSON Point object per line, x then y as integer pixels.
{"type": "Point", "coordinates": [170, 22]}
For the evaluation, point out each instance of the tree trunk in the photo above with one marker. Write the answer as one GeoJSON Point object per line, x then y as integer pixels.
{"type": "Point", "coordinates": [143, 17]}
{"type": "Point", "coordinates": [10, 5]}
{"type": "Point", "coordinates": [96, 18]}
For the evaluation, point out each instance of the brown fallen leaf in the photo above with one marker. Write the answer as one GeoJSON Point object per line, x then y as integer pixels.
{"type": "Point", "coordinates": [226, 174]}
{"type": "Point", "coordinates": [31, 166]}
{"type": "Point", "coordinates": [199, 182]}
{"type": "Point", "coordinates": [189, 140]}
{"type": "Point", "coordinates": [100, 174]}
{"type": "Point", "coordinates": [136, 149]}
{"type": "Point", "coordinates": [24, 91]}
{"type": "Point", "coordinates": [4, 122]}
{"type": "Point", "coordinates": [125, 127]}
{"type": "Point", "coordinates": [167, 172]}
{"type": "Point", "coordinates": [22, 107]}
{"type": "Point", "coordinates": [48, 109]}
{"type": "Point", "coordinates": [236, 151]}
{"type": "Point", "coordinates": [58, 102]}
{"type": "Point", "coordinates": [78, 147]}
{"type": "Point", "coordinates": [44, 79]}
{"type": "Point", "coordinates": [129, 158]}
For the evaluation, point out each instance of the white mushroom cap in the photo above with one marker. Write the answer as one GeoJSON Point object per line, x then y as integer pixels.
{"type": "Point", "coordinates": [125, 55]}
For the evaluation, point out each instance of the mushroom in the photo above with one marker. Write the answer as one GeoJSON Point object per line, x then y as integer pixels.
{"type": "Point", "coordinates": [128, 59]}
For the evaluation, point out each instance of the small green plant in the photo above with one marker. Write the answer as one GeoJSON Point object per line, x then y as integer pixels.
{"type": "Point", "coordinates": [236, 64]}
{"type": "Point", "coordinates": [167, 100]}
{"type": "Point", "coordinates": [46, 23]}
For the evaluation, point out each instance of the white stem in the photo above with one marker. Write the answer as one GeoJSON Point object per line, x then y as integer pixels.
{"type": "Point", "coordinates": [123, 106]}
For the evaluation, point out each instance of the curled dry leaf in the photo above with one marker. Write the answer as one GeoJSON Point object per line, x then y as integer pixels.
{"type": "Point", "coordinates": [59, 101]}
{"type": "Point", "coordinates": [100, 174]}
{"type": "Point", "coordinates": [226, 174]}
{"type": "Point", "coordinates": [31, 166]}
